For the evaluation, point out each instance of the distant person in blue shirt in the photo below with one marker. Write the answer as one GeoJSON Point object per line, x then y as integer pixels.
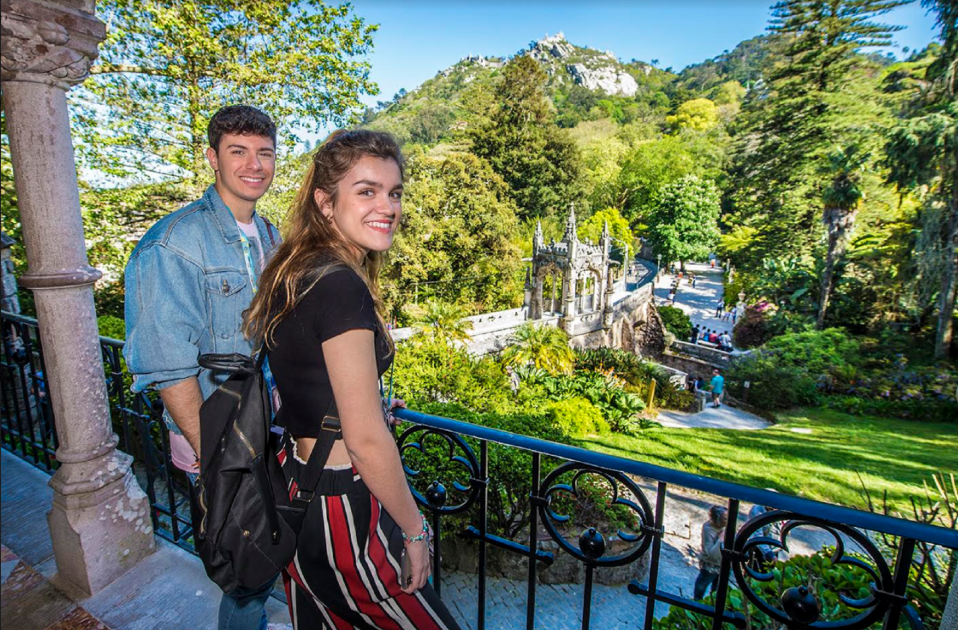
{"type": "Point", "coordinates": [718, 386]}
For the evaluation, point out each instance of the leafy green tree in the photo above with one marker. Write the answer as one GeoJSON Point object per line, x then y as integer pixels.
{"type": "Point", "coordinates": [543, 347]}
{"type": "Point", "coordinates": [699, 114]}
{"type": "Point", "coordinates": [729, 93]}
{"type": "Point", "coordinates": [521, 141]}
{"type": "Point", "coordinates": [746, 64]}
{"type": "Point", "coordinates": [923, 152]}
{"type": "Point", "coordinates": [653, 165]}
{"type": "Point", "coordinates": [456, 242]}
{"type": "Point", "coordinates": [684, 224]}
{"type": "Point", "coordinates": [9, 210]}
{"type": "Point", "coordinates": [591, 228]}
{"type": "Point", "coordinates": [602, 163]}
{"type": "Point", "coordinates": [111, 216]}
{"type": "Point", "coordinates": [167, 66]}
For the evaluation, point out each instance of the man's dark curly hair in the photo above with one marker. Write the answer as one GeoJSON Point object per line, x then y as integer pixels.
{"type": "Point", "coordinates": [241, 120]}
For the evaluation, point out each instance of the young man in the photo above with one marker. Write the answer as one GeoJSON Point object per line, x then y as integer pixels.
{"type": "Point", "coordinates": [187, 284]}
{"type": "Point", "coordinates": [717, 386]}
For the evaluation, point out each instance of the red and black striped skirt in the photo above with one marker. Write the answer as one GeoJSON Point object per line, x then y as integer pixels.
{"type": "Point", "coordinates": [346, 570]}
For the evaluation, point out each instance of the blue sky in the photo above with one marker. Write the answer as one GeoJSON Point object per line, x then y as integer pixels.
{"type": "Point", "coordinates": [417, 38]}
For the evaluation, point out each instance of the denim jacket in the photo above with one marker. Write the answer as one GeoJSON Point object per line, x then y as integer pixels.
{"type": "Point", "coordinates": [186, 290]}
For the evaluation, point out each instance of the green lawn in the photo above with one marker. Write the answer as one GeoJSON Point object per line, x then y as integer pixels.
{"type": "Point", "coordinates": [892, 455]}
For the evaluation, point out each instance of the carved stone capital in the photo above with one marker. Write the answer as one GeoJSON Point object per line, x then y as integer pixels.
{"type": "Point", "coordinates": [48, 42]}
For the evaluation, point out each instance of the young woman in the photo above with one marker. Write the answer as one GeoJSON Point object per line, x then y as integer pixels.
{"type": "Point", "coordinates": [319, 314]}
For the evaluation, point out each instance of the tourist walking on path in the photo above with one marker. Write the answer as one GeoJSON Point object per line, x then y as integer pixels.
{"type": "Point", "coordinates": [710, 557]}
{"type": "Point", "coordinates": [717, 386]}
{"type": "Point", "coordinates": [764, 555]}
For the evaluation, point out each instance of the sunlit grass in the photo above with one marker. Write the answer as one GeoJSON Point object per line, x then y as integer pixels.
{"type": "Point", "coordinates": [892, 456]}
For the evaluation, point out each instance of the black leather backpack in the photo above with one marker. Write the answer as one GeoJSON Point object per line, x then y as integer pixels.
{"type": "Point", "coordinates": [245, 523]}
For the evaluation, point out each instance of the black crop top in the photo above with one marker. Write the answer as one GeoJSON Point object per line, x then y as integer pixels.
{"type": "Point", "coordinates": [338, 302]}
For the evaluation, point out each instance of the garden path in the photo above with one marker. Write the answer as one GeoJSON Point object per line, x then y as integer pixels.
{"type": "Point", "coordinates": [699, 302]}
{"type": "Point", "coordinates": [724, 417]}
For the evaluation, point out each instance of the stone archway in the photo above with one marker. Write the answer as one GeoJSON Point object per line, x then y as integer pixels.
{"type": "Point", "coordinates": [549, 297]}
{"type": "Point", "coordinates": [590, 300]}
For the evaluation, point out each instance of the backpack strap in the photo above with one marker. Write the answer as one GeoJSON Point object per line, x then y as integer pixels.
{"type": "Point", "coordinates": [330, 430]}
{"type": "Point", "coordinates": [269, 231]}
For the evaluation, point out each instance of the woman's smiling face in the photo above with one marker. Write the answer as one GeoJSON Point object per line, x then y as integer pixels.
{"type": "Point", "coordinates": [368, 205]}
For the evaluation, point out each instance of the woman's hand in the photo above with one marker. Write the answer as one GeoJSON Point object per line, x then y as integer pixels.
{"type": "Point", "coordinates": [394, 403]}
{"type": "Point", "coordinates": [418, 554]}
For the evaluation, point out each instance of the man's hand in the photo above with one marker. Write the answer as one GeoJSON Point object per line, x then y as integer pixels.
{"type": "Point", "coordinates": [183, 401]}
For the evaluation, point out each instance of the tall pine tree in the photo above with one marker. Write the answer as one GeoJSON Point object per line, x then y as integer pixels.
{"type": "Point", "coordinates": [539, 161]}
{"type": "Point", "coordinates": [819, 102]}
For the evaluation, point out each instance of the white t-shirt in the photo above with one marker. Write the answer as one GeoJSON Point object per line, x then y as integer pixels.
{"type": "Point", "coordinates": [249, 229]}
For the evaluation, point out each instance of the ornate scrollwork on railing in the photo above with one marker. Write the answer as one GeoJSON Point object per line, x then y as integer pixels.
{"type": "Point", "coordinates": [459, 458]}
{"type": "Point", "coordinates": [801, 605]}
{"type": "Point", "coordinates": [591, 545]}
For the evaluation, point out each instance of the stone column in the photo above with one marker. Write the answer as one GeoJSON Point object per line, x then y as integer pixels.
{"type": "Point", "coordinates": [607, 307]}
{"type": "Point", "coordinates": [100, 520]}
{"type": "Point", "coordinates": [949, 618]}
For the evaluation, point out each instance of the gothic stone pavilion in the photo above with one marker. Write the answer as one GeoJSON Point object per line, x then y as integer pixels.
{"type": "Point", "coordinates": [583, 270]}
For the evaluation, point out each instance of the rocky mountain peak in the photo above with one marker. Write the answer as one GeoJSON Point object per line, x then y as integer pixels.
{"type": "Point", "coordinates": [589, 68]}
{"type": "Point", "coordinates": [552, 47]}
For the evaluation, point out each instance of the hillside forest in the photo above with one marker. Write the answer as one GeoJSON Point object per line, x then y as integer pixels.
{"type": "Point", "coordinates": [824, 173]}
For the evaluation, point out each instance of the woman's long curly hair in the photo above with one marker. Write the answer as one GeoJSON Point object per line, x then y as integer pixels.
{"type": "Point", "coordinates": [311, 244]}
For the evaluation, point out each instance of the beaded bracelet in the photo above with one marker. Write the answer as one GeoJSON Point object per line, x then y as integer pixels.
{"type": "Point", "coordinates": [421, 535]}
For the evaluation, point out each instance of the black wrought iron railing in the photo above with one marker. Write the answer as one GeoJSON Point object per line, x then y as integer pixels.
{"type": "Point", "coordinates": [28, 427]}
{"type": "Point", "coordinates": [542, 502]}
{"type": "Point", "coordinates": [852, 531]}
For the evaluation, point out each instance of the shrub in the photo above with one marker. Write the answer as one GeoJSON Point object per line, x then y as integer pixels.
{"type": "Point", "coordinates": [430, 369]}
{"type": "Point", "coordinates": [577, 417]}
{"type": "Point", "coordinates": [671, 397]}
{"type": "Point", "coordinates": [111, 326]}
{"type": "Point", "coordinates": [753, 329]}
{"type": "Point", "coordinates": [603, 389]}
{"type": "Point", "coordinates": [833, 585]}
{"type": "Point", "coordinates": [109, 298]}
{"type": "Point", "coordinates": [772, 386]}
{"type": "Point", "coordinates": [637, 374]}
{"type": "Point", "coordinates": [831, 351]}
{"type": "Point", "coordinates": [676, 322]}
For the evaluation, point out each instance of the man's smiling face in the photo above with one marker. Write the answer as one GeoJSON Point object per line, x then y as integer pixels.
{"type": "Point", "coordinates": [244, 166]}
